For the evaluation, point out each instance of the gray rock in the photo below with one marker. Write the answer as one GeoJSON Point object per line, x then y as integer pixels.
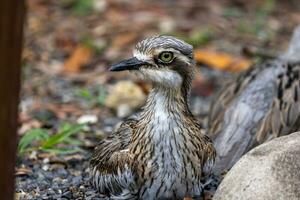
{"type": "Point", "coordinates": [269, 171]}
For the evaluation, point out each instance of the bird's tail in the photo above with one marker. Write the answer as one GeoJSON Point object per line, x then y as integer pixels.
{"type": "Point", "coordinates": [293, 52]}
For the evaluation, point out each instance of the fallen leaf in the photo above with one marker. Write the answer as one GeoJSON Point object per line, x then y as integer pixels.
{"type": "Point", "coordinates": [74, 157]}
{"type": "Point", "coordinates": [43, 155]}
{"type": "Point", "coordinates": [60, 110]}
{"type": "Point", "coordinates": [23, 171]}
{"type": "Point", "coordinates": [221, 61]}
{"type": "Point", "coordinates": [80, 56]}
{"type": "Point", "coordinates": [64, 42]}
{"type": "Point", "coordinates": [26, 126]}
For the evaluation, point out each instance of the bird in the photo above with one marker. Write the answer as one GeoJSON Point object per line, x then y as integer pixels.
{"type": "Point", "coordinates": [164, 153]}
{"type": "Point", "coordinates": [258, 105]}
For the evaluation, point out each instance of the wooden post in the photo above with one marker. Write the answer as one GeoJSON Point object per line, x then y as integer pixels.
{"type": "Point", "coordinates": [11, 26]}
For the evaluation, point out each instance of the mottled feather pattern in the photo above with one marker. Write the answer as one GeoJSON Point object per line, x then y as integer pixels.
{"type": "Point", "coordinates": [286, 86]}
{"type": "Point", "coordinates": [229, 92]}
{"type": "Point", "coordinates": [170, 153]}
{"type": "Point", "coordinates": [262, 102]}
{"type": "Point", "coordinates": [164, 154]}
{"type": "Point", "coordinates": [179, 151]}
{"type": "Point", "coordinates": [284, 115]}
{"type": "Point", "coordinates": [110, 162]}
{"type": "Point", "coordinates": [258, 105]}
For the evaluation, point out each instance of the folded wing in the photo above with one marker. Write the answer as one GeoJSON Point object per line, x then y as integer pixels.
{"type": "Point", "coordinates": [111, 163]}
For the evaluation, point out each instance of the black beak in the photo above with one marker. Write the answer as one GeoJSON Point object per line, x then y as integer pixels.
{"type": "Point", "coordinates": [129, 64]}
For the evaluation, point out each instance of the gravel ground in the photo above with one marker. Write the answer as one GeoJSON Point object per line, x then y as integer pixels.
{"type": "Point", "coordinates": [55, 179]}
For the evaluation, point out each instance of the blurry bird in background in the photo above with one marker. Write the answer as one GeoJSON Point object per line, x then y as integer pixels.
{"type": "Point", "coordinates": [164, 154]}
{"type": "Point", "coordinates": [259, 105]}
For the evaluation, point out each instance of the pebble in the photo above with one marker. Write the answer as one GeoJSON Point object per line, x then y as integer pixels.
{"type": "Point", "coordinates": [87, 119]}
{"type": "Point", "coordinates": [46, 160]}
{"type": "Point", "coordinates": [45, 167]}
{"type": "Point", "coordinates": [124, 110]}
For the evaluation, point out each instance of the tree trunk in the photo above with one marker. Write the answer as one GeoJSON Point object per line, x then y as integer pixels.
{"type": "Point", "coordinates": [11, 26]}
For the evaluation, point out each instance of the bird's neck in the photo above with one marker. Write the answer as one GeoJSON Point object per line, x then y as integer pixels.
{"type": "Point", "coordinates": [165, 118]}
{"type": "Point", "coordinates": [166, 102]}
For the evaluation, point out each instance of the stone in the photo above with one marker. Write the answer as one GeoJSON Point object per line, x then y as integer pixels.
{"type": "Point", "coordinates": [87, 119]}
{"type": "Point", "coordinates": [124, 97]}
{"type": "Point", "coordinates": [269, 171]}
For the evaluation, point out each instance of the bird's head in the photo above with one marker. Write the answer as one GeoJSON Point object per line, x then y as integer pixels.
{"type": "Point", "coordinates": [163, 60]}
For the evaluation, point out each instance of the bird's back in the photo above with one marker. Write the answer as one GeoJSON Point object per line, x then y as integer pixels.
{"type": "Point", "coordinates": [258, 105]}
{"type": "Point", "coordinates": [240, 118]}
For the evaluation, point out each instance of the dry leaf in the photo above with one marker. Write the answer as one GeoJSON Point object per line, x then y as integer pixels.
{"type": "Point", "coordinates": [28, 125]}
{"type": "Point", "coordinates": [80, 56]}
{"type": "Point", "coordinates": [45, 155]}
{"type": "Point", "coordinates": [221, 61]}
{"type": "Point", "coordinates": [23, 171]}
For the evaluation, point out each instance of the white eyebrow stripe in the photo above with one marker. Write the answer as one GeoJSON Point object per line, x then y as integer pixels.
{"type": "Point", "coordinates": [145, 57]}
{"type": "Point", "coordinates": [140, 56]}
{"type": "Point", "coordinates": [159, 50]}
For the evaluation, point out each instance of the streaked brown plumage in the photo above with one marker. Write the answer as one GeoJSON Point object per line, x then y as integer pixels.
{"type": "Point", "coordinates": [258, 105]}
{"type": "Point", "coordinates": [164, 153]}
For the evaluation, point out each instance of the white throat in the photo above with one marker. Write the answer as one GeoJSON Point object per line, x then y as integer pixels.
{"type": "Point", "coordinates": [164, 77]}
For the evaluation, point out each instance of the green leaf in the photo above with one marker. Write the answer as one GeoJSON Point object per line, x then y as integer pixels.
{"type": "Point", "coordinates": [83, 7]}
{"type": "Point", "coordinates": [30, 136]}
{"type": "Point", "coordinates": [73, 141]}
{"type": "Point", "coordinates": [66, 131]}
{"type": "Point", "coordinates": [85, 94]}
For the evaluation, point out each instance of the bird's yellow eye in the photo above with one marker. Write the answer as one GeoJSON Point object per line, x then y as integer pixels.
{"type": "Point", "coordinates": [166, 56]}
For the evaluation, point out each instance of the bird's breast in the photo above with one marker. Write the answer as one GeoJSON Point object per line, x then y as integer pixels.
{"type": "Point", "coordinates": [168, 164]}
